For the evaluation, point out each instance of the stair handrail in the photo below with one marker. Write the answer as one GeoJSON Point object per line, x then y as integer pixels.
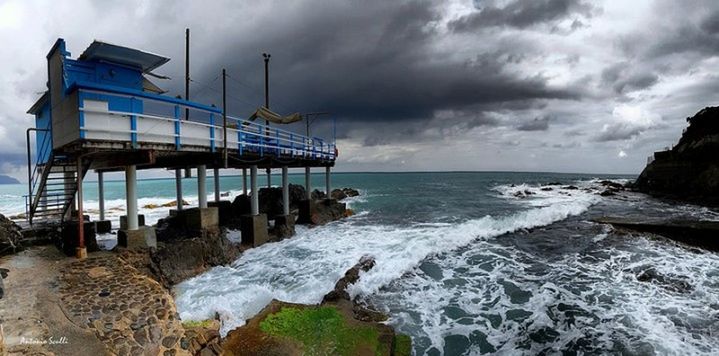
{"type": "Point", "coordinates": [33, 177]}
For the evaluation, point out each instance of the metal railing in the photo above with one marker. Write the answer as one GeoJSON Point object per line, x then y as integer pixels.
{"type": "Point", "coordinates": [204, 128]}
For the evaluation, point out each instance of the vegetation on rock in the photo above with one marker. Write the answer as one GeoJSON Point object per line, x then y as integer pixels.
{"type": "Point", "coordinates": [321, 331]}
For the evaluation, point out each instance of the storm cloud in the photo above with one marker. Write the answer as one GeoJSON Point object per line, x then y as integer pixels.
{"type": "Point", "coordinates": [483, 85]}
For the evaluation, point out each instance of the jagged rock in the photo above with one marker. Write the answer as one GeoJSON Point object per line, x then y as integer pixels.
{"type": "Point", "coordinates": [365, 264]}
{"type": "Point", "coordinates": [339, 194]}
{"type": "Point", "coordinates": [10, 236]}
{"type": "Point", "coordinates": [318, 195]}
{"type": "Point", "coordinates": [181, 258]}
{"type": "Point", "coordinates": [270, 199]}
{"type": "Point", "coordinates": [675, 284]}
{"type": "Point", "coordinates": [326, 211]}
{"type": "Point", "coordinates": [607, 193]}
{"type": "Point", "coordinates": [690, 170]}
{"type": "Point", "coordinates": [570, 187]}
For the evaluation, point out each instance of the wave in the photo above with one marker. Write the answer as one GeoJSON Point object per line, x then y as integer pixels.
{"type": "Point", "coordinates": [304, 268]}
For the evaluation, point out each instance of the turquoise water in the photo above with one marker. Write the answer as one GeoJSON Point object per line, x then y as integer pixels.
{"type": "Point", "coordinates": [474, 263]}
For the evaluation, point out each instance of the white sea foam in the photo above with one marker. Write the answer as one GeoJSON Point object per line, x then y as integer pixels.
{"type": "Point", "coordinates": [304, 268]}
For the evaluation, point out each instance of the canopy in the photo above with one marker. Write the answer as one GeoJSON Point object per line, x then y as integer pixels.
{"type": "Point", "coordinates": [271, 116]}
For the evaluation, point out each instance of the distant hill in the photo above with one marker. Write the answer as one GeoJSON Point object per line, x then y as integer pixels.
{"type": "Point", "coordinates": [690, 170]}
{"type": "Point", "coordinates": [8, 180]}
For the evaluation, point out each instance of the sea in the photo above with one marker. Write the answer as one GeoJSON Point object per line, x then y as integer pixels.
{"type": "Point", "coordinates": [469, 263]}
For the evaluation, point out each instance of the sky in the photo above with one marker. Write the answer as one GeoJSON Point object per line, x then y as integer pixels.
{"type": "Point", "coordinates": [485, 85]}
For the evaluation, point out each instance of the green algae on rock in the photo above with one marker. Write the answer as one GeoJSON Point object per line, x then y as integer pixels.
{"type": "Point", "coordinates": [321, 330]}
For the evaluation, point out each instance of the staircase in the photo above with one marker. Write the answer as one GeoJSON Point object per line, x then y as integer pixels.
{"type": "Point", "coordinates": [53, 189]}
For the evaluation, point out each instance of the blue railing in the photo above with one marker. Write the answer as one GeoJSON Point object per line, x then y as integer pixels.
{"type": "Point", "coordinates": [187, 125]}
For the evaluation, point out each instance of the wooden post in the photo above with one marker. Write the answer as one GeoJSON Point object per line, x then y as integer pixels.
{"type": "Point", "coordinates": [178, 187]}
{"type": "Point", "coordinates": [327, 182]}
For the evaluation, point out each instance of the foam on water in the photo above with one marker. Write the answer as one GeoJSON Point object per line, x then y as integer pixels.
{"type": "Point", "coordinates": [304, 268]}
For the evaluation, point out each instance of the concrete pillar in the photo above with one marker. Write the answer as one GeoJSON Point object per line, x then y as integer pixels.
{"type": "Point", "coordinates": [202, 186]}
{"type": "Point", "coordinates": [131, 197]}
{"type": "Point", "coordinates": [81, 251]}
{"type": "Point", "coordinates": [269, 178]}
{"type": "Point", "coordinates": [244, 181]}
{"type": "Point", "coordinates": [308, 183]}
{"type": "Point", "coordinates": [178, 188]}
{"type": "Point", "coordinates": [255, 201]}
{"type": "Point", "coordinates": [101, 194]}
{"type": "Point", "coordinates": [328, 187]}
{"type": "Point", "coordinates": [217, 184]}
{"type": "Point", "coordinates": [285, 192]}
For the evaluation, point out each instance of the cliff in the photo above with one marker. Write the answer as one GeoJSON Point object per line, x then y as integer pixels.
{"type": "Point", "coordinates": [690, 170]}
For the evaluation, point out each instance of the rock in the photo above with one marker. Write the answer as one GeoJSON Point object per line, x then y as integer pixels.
{"type": "Point", "coordinates": [547, 189]}
{"type": "Point", "coordinates": [365, 264]}
{"type": "Point", "coordinates": [338, 194]}
{"type": "Point", "coordinates": [690, 170]}
{"type": "Point", "coordinates": [2, 288]}
{"type": "Point", "coordinates": [607, 193]}
{"type": "Point", "coordinates": [671, 283]}
{"type": "Point", "coordinates": [270, 199]}
{"type": "Point", "coordinates": [570, 187]}
{"type": "Point", "coordinates": [326, 211]}
{"type": "Point", "coordinates": [10, 236]}
{"type": "Point", "coordinates": [318, 195]}
{"type": "Point", "coordinates": [183, 258]}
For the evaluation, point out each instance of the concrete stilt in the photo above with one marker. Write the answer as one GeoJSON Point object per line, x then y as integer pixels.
{"type": "Point", "coordinates": [285, 192]}
{"type": "Point", "coordinates": [269, 178]}
{"type": "Point", "coordinates": [328, 186]}
{"type": "Point", "coordinates": [134, 235]}
{"type": "Point", "coordinates": [202, 186]}
{"type": "Point", "coordinates": [244, 181]}
{"type": "Point", "coordinates": [217, 184]}
{"type": "Point", "coordinates": [255, 201]}
{"type": "Point", "coordinates": [102, 226]}
{"type": "Point", "coordinates": [178, 188]}
{"type": "Point", "coordinates": [254, 226]}
{"type": "Point", "coordinates": [308, 183]}
{"type": "Point", "coordinates": [307, 205]}
{"type": "Point", "coordinates": [101, 194]}
{"type": "Point", "coordinates": [131, 197]}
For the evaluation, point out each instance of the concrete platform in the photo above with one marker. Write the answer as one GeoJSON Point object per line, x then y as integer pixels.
{"type": "Point", "coordinates": [103, 226]}
{"type": "Point", "coordinates": [224, 208]}
{"type": "Point", "coordinates": [254, 229]}
{"type": "Point", "coordinates": [199, 218]}
{"type": "Point", "coordinates": [143, 237]}
{"type": "Point", "coordinates": [123, 221]}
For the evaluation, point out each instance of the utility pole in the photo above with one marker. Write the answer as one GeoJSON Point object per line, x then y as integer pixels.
{"type": "Point", "coordinates": [188, 172]}
{"type": "Point", "coordinates": [224, 115]}
{"type": "Point", "coordinates": [310, 115]}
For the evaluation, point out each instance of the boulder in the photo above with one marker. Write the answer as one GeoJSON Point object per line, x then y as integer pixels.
{"type": "Point", "coordinates": [339, 292]}
{"type": "Point", "coordinates": [10, 236]}
{"type": "Point", "coordinates": [338, 194]}
{"type": "Point", "coordinates": [318, 195]}
{"type": "Point", "coordinates": [326, 211]}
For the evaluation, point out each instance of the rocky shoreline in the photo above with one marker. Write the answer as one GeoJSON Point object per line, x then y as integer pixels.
{"type": "Point", "coordinates": [123, 297]}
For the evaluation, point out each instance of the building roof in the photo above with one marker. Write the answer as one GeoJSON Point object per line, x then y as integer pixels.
{"type": "Point", "coordinates": [39, 103]}
{"type": "Point", "coordinates": [100, 51]}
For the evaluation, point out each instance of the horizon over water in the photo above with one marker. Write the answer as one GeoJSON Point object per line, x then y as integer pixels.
{"type": "Point", "coordinates": [468, 263]}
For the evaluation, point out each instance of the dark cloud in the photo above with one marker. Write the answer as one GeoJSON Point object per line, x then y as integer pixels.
{"type": "Point", "coordinates": [522, 14]}
{"type": "Point", "coordinates": [624, 77]}
{"type": "Point", "coordinates": [538, 124]}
